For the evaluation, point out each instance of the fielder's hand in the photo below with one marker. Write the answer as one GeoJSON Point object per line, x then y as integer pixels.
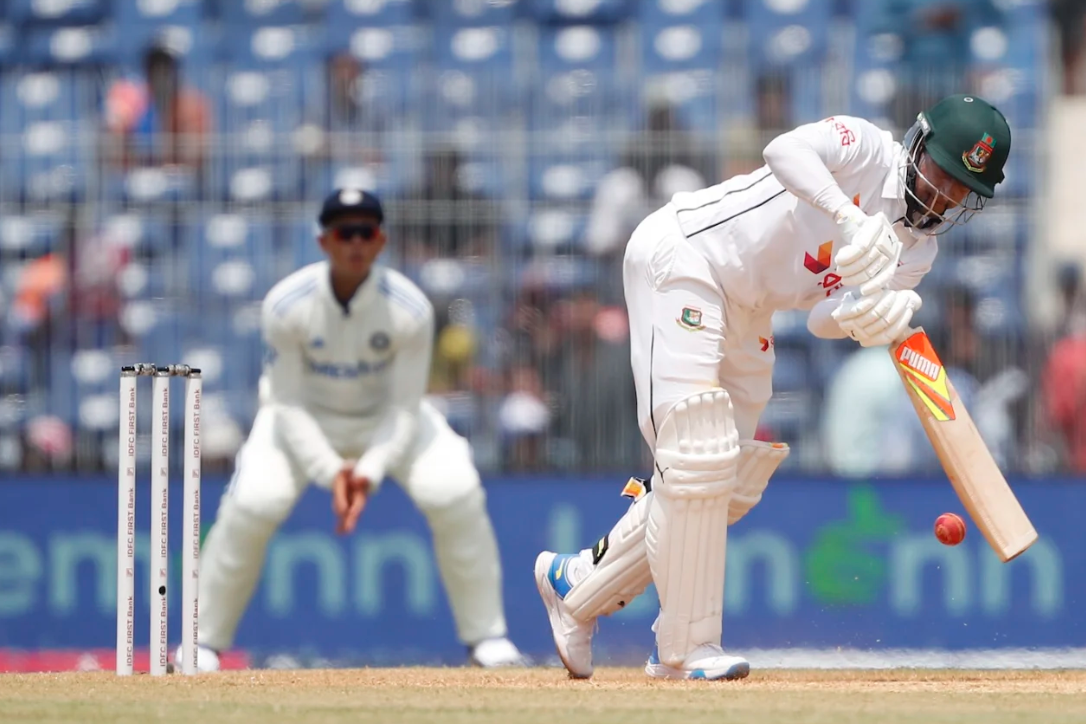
{"type": "Point", "coordinates": [871, 252]}
{"type": "Point", "coordinates": [878, 319]}
{"type": "Point", "coordinates": [349, 495]}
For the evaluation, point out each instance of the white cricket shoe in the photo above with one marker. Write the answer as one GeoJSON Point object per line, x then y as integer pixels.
{"type": "Point", "coordinates": [207, 661]}
{"type": "Point", "coordinates": [495, 653]}
{"type": "Point", "coordinates": [707, 662]}
{"type": "Point", "coordinates": [572, 638]}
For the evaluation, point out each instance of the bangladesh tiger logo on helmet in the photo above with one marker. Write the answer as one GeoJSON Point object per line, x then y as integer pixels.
{"type": "Point", "coordinates": [976, 158]}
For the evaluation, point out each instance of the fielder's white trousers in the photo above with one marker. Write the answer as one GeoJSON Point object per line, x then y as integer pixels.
{"type": "Point", "coordinates": [438, 475]}
{"type": "Point", "coordinates": [716, 343]}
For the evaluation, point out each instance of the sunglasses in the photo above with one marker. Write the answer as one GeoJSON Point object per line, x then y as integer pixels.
{"type": "Point", "coordinates": [348, 232]}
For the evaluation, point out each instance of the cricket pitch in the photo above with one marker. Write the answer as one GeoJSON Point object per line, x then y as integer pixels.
{"type": "Point", "coordinates": [546, 696]}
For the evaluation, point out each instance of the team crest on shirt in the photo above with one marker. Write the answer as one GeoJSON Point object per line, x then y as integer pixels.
{"type": "Point", "coordinates": [976, 158]}
{"type": "Point", "coordinates": [379, 341]}
{"type": "Point", "coordinates": [690, 319]}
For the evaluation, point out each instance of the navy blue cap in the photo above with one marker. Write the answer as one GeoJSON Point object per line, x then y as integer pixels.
{"type": "Point", "coordinates": [350, 201]}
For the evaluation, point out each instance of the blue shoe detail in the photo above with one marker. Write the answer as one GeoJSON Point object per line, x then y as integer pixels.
{"type": "Point", "coordinates": [557, 574]}
{"type": "Point", "coordinates": [697, 674]}
{"type": "Point", "coordinates": [654, 657]}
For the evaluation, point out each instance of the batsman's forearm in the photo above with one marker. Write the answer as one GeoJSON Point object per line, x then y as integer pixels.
{"type": "Point", "coordinates": [821, 323]}
{"type": "Point", "coordinates": [799, 167]}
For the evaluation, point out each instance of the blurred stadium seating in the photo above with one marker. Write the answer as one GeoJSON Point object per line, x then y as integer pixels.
{"type": "Point", "coordinates": [540, 98]}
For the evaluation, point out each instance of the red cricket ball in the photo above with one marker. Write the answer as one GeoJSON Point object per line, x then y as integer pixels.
{"type": "Point", "coordinates": [950, 529]}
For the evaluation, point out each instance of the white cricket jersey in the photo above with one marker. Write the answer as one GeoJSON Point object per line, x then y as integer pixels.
{"type": "Point", "coordinates": [770, 235]}
{"type": "Point", "coordinates": [346, 380]}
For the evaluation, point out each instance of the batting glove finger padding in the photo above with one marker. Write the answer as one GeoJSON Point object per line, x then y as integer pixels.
{"type": "Point", "coordinates": [878, 319]}
{"type": "Point", "coordinates": [871, 254]}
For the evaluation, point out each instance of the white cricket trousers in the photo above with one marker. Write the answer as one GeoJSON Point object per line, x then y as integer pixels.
{"type": "Point", "coordinates": [686, 335]}
{"type": "Point", "coordinates": [438, 475]}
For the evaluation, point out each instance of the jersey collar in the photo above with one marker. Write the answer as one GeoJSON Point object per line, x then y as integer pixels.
{"type": "Point", "coordinates": [362, 296]}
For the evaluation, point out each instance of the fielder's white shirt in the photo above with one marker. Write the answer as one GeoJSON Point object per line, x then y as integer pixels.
{"type": "Point", "coordinates": [771, 236]}
{"type": "Point", "coordinates": [346, 380]}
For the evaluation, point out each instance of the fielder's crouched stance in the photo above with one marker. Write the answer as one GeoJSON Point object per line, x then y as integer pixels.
{"type": "Point", "coordinates": [342, 405]}
{"type": "Point", "coordinates": [841, 221]}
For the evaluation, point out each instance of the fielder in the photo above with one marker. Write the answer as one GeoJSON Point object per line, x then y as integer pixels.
{"type": "Point", "coordinates": [841, 221]}
{"type": "Point", "coordinates": [348, 362]}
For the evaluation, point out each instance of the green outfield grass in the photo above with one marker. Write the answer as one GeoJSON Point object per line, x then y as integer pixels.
{"type": "Point", "coordinates": [546, 696]}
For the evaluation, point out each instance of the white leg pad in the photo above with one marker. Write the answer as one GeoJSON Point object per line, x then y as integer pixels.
{"type": "Point", "coordinates": [697, 452]}
{"type": "Point", "coordinates": [757, 462]}
{"type": "Point", "coordinates": [621, 572]}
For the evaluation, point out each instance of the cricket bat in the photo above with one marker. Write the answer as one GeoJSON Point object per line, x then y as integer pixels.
{"type": "Point", "coordinates": [966, 459]}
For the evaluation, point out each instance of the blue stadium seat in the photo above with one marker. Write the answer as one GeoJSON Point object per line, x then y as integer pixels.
{"type": "Point", "coordinates": [180, 24]}
{"type": "Point", "coordinates": [303, 242]}
{"type": "Point", "coordinates": [232, 257]}
{"type": "Point", "coordinates": [681, 64]}
{"type": "Point", "coordinates": [480, 49]}
{"type": "Point", "coordinates": [553, 230]}
{"type": "Point", "coordinates": [580, 11]}
{"type": "Point", "coordinates": [9, 44]}
{"type": "Point", "coordinates": [352, 14]}
{"type": "Point", "coordinates": [14, 368]}
{"type": "Point", "coordinates": [568, 176]}
{"type": "Point", "coordinates": [791, 38]}
{"type": "Point", "coordinates": [69, 46]}
{"type": "Point", "coordinates": [39, 113]}
{"type": "Point", "coordinates": [164, 338]}
{"type": "Point", "coordinates": [259, 111]}
{"type": "Point", "coordinates": [461, 13]}
{"type": "Point", "coordinates": [662, 13]}
{"type": "Point", "coordinates": [788, 34]}
{"type": "Point", "coordinates": [388, 48]}
{"type": "Point", "coordinates": [578, 77]}
{"type": "Point", "coordinates": [29, 236]}
{"type": "Point", "coordinates": [73, 12]}
{"type": "Point", "coordinates": [255, 13]}
{"type": "Point", "coordinates": [131, 13]}
{"type": "Point", "coordinates": [390, 59]}
{"type": "Point", "coordinates": [270, 46]}
{"type": "Point", "coordinates": [472, 97]}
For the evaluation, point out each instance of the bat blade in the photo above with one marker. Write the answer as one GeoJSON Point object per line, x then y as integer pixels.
{"type": "Point", "coordinates": [968, 463]}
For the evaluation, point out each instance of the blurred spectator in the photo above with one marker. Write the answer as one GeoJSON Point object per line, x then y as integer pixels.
{"type": "Point", "coordinates": [157, 121]}
{"type": "Point", "coordinates": [346, 129]}
{"type": "Point", "coordinates": [593, 385]}
{"type": "Point", "coordinates": [659, 162]}
{"type": "Point", "coordinates": [75, 281]}
{"type": "Point", "coordinates": [49, 444]}
{"type": "Point", "coordinates": [445, 216]}
{"type": "Point", "coordinates": [934, 39]}
{"type": "Point", "coordinates": [523, 420]}
{"type": "Point", "coordinates": [1070, 18]}
{"type": "Point", "coordinates": [772, 117]}
{"type": "Point", "coordinates": [861, 423]}
{"type": "Point", "coordinates": [1072, 299]}
{"type": "Point", "coordinates": [1064, 376]}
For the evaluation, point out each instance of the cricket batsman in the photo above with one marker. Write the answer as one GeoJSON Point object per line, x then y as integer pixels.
{"type": "Point", "coordinates": [841, 221]}
{"type": "Point", "coordinates": [348, 360]}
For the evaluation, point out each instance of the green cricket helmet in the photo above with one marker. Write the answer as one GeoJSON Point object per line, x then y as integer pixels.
{"type": "Point", "coordinates": [967, 138]}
